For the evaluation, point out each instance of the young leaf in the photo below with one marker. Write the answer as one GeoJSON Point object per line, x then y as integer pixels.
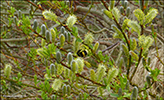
{"type": "Point", "coordinates": [92, 75]}
{"type": "Point", "coordinates": [100, 72]}
{"type": "Point", "coordinates": [108, 13]}
{"type": "Point", "coordinates": [112, 73]}
{"type": "Point", "coordinates": [135, 26]}
{"type": "Point", "coordinates": [125, 50]}
{"type": "Point", "coordinates": [71, 20]}
{"type": "Point", "coordinates": [112, 4]}
{"type": "Point", "coordinates": [134, 94]}
{"type": "Point", "coordinates": [116, 13]}
{"type": "Point", "coordinates": [57, 84]}
{"type": "Point", "coordinates": [59, 69]}
{"type": "Point", "coordinates": [140, 15]}
{"type": "Point", "coordinates": [80, 64]}
{"type": "Point", "coordinates": [151, 15]}
{"type": "Point", "coordinates": [145, 42]}
{"type": "Point", "coordinates": [134, 55]}
{"type": "Point", "coordinates": [7, 70]}
{"type": "Point", "coordinates": [133, 44]}
{"type": "Point", "coordinates": [118, 33]}
{"type": "Point", "coordinates": [49, 15]}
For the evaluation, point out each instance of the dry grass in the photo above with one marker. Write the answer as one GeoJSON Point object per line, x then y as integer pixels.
{"type": "Point", "coordinates": [141, 73]}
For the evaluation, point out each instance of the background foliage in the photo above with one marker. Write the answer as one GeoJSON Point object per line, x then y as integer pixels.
{"type": "Point", "coordinates": [123, 40]}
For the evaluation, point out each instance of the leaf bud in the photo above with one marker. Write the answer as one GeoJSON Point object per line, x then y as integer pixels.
{"type": "Point", "coordinates": [64, 91]}
{"type": "Point", "coordinates": [69, 58]}
{"type": "Point", "coordinates": [121, 9]}
{"type": "Point", "coordinates": [148, 80]}
{"type": "Point", "coordinates": [48, 36]}
{"type": "Point", "coordinates": [122, 2]}
{"type": "Point", "coordinates": [35, 25]}
{"type": "Point", "coordinates": [53, 34]}
{"type": "Point", "coordinates": [68, 89]}
{"type": "Point", "coordinates": [149, 60]}
{"type": "Point", "coordinates": [69, 37]}
{"type": "Point", "coordinates": [43, 29]}
{"type": "Point", "coordinates": [66, 35]}
{"type": "Point", "coordinates": [112, 4]}
{"type": "Point", "coordinates": [53, 69]}
{"type": "Point", "coordinates": [127, 11]}
{"type": "Point", "coordinates": [58, 56]}
{"type": "Point", "coordinates": [19, 14]}
{"type": "Point", "coordinates": [54, 97]}
{"type": "Point", "coordinates": [134, 94]}
{"type": "Point", "coordinates": [119, 92]}
{"type": "Point", "coordinates": [80, 97]}
{"type": "Point", "coordinates": [127, 85]}
{"type": "Point", "coordinates": [96, 46]}
{"type": "Point", "coordinates": [125, 4]}
{"type": "Point", "coordinates": [7, 70]}
{"type": "Point", "coordinates": [62, 30]}
{"type": "Point", "coordinates": [92, 75]}
{"type": "Point", "coordinates": [62, 40]}
{"type": "Point", "coordinates": [74, 66]}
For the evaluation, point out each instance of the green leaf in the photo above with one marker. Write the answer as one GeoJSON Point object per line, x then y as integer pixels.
{"type": "Point", "coordinates": [92, 75]}
{"type": "Point", "coordinates": [126, 51]}
{"type": "Point", "coordinates": [100, 72]}
{"type": "Point", "coordinates": [52, 48]}
{"type": "Point", "coordinates": [145, 42]}
{"type": "Point", "coordinates": [49, 15]}
{"type": "Point", "coordinates": [140, 15]}
{"type": "Point", "coordinates": [100, 55]}
{"type": "Point", "coordinates": [108, 87]}
{"type": "Point", "coordinates": [59, 69]}
{"type": "Point", "coordinates": [135, 26]}
{"type": "Point", "coordinates": [71, 20]}
{"type": "Point", "coordinates": [124, 25]}
{"type": "Point", "coordinates": [75, 31]}
{"type": "Point", "coordinates": [134, 55]}
{"type": "Point", "coordinates": [127, 95]}
{"type": "Point", "coordinates": [79, 40]}
{"type": "Point", "coordinates": [57, 84]}
{"type": "Point", "coordinates": [112, 73]}
{"type": "Point", "coordinates": [35, 79]}
{"type": "Point", "coordinates": [133, 44]}
{"type": "Point", "coordinates": [108, 13]}
{"type": "Point", "coordinates": [114, 95]}
{"type": "Point", "coordinates": [116, 14]}
{"type": "Point", "coordinates": [118, 33]}
{"type": "Point", "coordinates": [89, 38]}
{"type": "Point", "coordinates": [151, 15]}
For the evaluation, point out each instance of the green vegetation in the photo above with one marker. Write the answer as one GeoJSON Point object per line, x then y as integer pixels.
{"type": "Point", "coordinates": [74, 50]}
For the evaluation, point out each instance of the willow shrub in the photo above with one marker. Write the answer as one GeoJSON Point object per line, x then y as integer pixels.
{"type": "Point", "coordinates": [63, 76]}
